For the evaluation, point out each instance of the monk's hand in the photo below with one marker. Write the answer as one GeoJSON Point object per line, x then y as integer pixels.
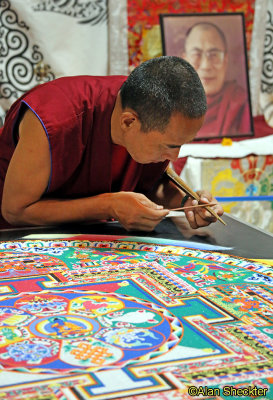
{"type": "Point", "coordinates": [136, 212]}
{"type": "Point", "coordinates": [199, 217]}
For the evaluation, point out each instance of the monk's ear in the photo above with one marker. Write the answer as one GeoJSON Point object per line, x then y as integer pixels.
{"type": "Point", "coordinates": [129, 120]}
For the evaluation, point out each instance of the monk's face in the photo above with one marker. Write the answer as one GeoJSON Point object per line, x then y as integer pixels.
{"type": "Point", "coordinates": [155, 146]}
{"type": "Point", "coordinates": [205, 50]}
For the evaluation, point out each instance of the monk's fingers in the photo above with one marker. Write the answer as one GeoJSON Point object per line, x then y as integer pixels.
{"type": "Point", "coordinates": [191, 219]}
{"type": "Point", "coordinates": [205, 196]}
{"type": "Point", "coordinates": [205, 214]}
{"type": "Point", "coordinates": [196, 220]}
{"type": "Point", "coordinates": [147, 226]}
{"type": "Point", "coordinates": [145, 223]}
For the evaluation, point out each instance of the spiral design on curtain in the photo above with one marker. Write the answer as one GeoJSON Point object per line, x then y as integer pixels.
{"type": "Point", "coordinates": [91, 12]}
{"type": "Point", "coordinates": [18, 56]}
{"type": "Point", "coordinates": [267, 71]}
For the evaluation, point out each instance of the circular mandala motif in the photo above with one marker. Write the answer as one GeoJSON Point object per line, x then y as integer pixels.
{"type": "Point", "coordinates": [64, 327]}
{"type": "Point", "coordinates": [28, 264]}
{"type": "Point", "coordinates": [88, 330]}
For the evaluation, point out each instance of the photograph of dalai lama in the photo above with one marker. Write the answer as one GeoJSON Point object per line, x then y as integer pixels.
{"type": "Point", "coordinates": [218, 56]}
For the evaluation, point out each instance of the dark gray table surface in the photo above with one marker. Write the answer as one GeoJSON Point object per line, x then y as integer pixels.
{"type": "Point", "coordinates": [241, 239]}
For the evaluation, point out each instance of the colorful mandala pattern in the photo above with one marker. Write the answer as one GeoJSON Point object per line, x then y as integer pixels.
{"type": "Point", "coordinates": [68, 330]}
{"type": "Point", "coordinates": [126, 319]}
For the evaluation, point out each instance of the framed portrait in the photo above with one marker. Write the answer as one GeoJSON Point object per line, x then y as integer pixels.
{"type": "Point", "coordinates": [215, 45]}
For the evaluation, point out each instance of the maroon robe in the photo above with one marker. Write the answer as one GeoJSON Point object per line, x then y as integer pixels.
{"type": "Point", "coordinates": [228, 113]}
{"type": "Point", "coordinates": [76, 115]}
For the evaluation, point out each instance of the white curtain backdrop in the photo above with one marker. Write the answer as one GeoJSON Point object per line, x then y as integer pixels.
{"type": "Point", "coordinates": [41, 40]}
{"type": "Point", "coordinates": [118, 37]}
{"type": "Point", "coordinates": [261, 61]}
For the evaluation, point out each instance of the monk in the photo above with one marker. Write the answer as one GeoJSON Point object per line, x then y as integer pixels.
{"type": "Point", "coordinates": [228, 112]}
{"type": "Point", "coordinates": [85, 148]}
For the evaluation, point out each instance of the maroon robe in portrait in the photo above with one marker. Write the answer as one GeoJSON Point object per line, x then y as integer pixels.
{"type": "Point", "coordinates": [228, 113]}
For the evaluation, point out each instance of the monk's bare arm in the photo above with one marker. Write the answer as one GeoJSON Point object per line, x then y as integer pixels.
{"type": "Point", "coordinates": [27, 179]}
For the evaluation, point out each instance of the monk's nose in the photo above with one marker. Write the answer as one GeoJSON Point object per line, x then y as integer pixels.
{"type": "Point", "coordinates": [173, 154]}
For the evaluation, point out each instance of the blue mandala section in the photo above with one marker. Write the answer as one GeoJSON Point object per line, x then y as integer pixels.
{"type": "Point", "coordinates": [71, 330]}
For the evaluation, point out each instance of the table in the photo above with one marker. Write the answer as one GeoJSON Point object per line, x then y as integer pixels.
{"type": "Point", "coordinates": [238, 238]}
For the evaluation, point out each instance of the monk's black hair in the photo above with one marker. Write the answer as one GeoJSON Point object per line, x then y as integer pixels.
{"type": "Point", "coordinates": [160, 87]}
{"type": "Point", "coordinates": [208, 25]}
